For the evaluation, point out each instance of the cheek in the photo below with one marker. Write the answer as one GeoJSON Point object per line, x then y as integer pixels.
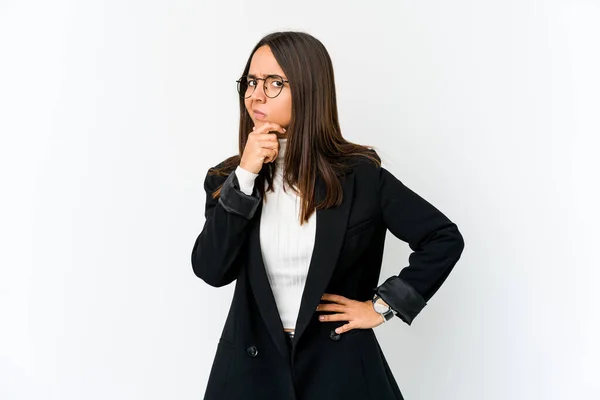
{"type": "Point", "coordinates": [284, 109]}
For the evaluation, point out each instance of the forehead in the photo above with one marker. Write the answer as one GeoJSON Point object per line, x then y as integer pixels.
{"type": "Point", "coordinates": [263, 63]}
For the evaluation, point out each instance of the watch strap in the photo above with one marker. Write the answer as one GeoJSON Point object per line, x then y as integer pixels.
{"type": "Point", "coordinates": [387, 315]}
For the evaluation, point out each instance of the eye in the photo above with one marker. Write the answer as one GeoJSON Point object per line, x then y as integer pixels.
{"type": "Point", "coordinates": [251, 82]}
{"type": "Point", "coordinates": [275, 81]}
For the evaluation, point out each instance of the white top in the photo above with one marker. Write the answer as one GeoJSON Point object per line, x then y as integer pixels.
{"type": "Point", "coordinates": [285, 245]}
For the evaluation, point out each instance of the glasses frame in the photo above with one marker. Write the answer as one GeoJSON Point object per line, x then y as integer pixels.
{"type": "Point", "coordinates": [279, 77]}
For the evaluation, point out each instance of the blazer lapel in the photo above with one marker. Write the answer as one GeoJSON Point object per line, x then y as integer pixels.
{"type": "Point", "coordinates": [331, 227]}
{"type": "Point", "coordinates": [263, 294]}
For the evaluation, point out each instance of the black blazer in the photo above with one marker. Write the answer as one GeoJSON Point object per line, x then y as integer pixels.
{"type": "Point", "coordinates": [252, 359]}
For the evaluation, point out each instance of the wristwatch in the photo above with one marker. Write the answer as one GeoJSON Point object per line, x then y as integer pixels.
{"type": "Point", "coordinates": [385, 311]}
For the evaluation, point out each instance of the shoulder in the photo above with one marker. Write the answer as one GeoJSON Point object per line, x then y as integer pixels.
{"type": "Point", "coordinates": [367, 163]}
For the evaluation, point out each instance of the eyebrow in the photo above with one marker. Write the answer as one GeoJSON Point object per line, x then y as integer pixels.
{"type": "Point", "coordinates": [263, 75]}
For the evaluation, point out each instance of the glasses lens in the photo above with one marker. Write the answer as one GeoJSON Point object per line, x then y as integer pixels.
{"type": "Point", "coordinates": [273, 84]}
{"type": "Point", "coordinates": [246, 86]}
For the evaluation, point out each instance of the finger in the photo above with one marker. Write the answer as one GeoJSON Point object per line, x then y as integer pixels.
{"type": "Point", "coordinates": [335, 298]}
{"type": "Point", "coordinates": [270, 137]}
{"type": "Point", "coordinates": [264, 127]}
{"type": "Point", "coordinates": [269, 155]}
{"type": "Point", "coordinates": [344, 328]}
{"type": "Point", "coordinates": [332, 307]}
{"type": "Point", "coordinates": [270, 134]}
{"type": "Point", "coordinates": [269, 144]}
{"type": "Point", "coordinates": [270, 127]}
{"type": "Point", "coordinates": [334, 317]}
{"type": "Point", "coordinates": [268, 140]}
{"type": "Point", "coordinates": [266, 155]}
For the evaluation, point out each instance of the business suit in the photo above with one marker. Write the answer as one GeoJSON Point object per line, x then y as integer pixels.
{"type": "Point", "coordinates": [253, 360]}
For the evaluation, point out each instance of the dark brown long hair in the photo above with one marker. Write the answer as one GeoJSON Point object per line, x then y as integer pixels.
{"type": "Point", "coordinates": [315, 145]}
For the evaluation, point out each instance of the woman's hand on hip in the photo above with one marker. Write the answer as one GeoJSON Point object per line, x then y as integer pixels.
{"type": "Point", "coordinates": [359, 314]}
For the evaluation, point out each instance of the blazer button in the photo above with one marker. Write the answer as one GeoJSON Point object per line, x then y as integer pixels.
{"type": "Point", "coordinates": [333, 335]}
{"type": "Point", "coordinates": [252, 351]}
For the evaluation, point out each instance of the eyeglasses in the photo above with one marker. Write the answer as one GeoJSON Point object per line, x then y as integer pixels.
{"type": "Point", "coordinates": [272, 84]}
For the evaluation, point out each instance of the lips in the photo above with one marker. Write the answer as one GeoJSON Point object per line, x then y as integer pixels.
{"type": "Point", "coordinates": [258, 113]}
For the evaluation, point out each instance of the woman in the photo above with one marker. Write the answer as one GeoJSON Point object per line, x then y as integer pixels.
{"type": "Point", "coordinates": [299, 220]}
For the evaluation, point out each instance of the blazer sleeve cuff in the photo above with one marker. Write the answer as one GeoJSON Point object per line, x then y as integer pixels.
{"type": "Point", "coordinates": [237, 202]}
{"type": "Point", "coordinates": [402, 298]}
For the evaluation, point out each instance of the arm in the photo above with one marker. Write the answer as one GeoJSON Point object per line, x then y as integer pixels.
{"type": "Point", "coordinates": [435, 240]}
{"type": "Point", "coordinates": [216, 256]}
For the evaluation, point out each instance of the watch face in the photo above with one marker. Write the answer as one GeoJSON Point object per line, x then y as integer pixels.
{"type": "Point", "coordinates": [380, 308]}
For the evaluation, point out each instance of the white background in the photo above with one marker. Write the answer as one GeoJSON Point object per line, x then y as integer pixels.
{"type": "Point", "coordinates": [112, 111]}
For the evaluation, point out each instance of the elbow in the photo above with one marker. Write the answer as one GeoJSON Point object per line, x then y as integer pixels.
{"type": "Point", "coordinates": [458, 242]}
{"type": "Point", "coordinates": [213, 279]}
{"type": "Point", "coordinates": [452, 241]}
{"type": "Point", "coordinates": [208, 271]}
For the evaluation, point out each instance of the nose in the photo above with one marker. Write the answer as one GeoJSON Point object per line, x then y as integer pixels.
{"type": "Point", "coordinates": [259, 93]}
